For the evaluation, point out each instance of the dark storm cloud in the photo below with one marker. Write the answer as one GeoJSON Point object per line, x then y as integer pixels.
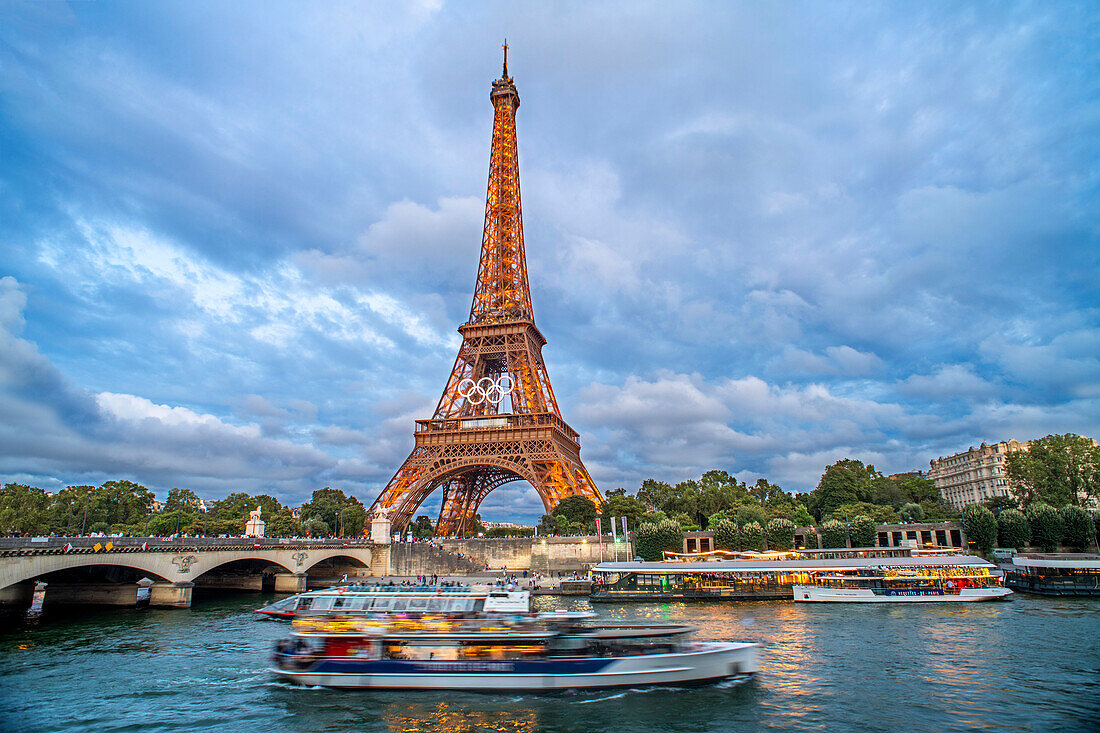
{"type": "Point", "coordinates": [761, 237]}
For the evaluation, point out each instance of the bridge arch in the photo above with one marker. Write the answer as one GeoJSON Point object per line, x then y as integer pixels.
{"type": "Point", "coordinates": [18, 570]}
{"type": "Point", "coordinates": [239, 561]}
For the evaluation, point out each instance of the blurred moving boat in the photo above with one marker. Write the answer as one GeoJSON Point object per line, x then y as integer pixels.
{"type": "Point", "coordinates": [552, 651]}
{"type": "Point", "coordinates": [361, 600]}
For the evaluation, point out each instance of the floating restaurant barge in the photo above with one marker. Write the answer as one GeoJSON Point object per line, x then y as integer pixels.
{"type": "Point", "coordinates": [1055, 574]}
{"type": "Point", "coordinates": [722, 575]}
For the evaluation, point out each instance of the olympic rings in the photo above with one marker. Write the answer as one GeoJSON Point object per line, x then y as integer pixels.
{"type": "Point", "coordinates": [486, 389]}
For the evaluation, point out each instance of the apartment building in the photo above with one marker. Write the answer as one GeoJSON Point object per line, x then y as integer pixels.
{"type": "Point", "coordinates": [975, 475]}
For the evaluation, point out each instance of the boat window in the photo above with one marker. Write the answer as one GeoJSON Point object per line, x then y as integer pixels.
{"type": "Point", "coordinates": [357, 603]}
{"type": "Point", "coordinates": [338, 603]}
{"type": "Point", "coordinates": [323, 604]}
{"type": "Point", "coordinates": [381, 604]}
{"type": "Point", "coordinates": [305, 603]}
{"type": "Point", "coordinates": [399, 604]}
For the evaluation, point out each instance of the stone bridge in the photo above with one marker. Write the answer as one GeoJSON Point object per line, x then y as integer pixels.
{"type": "Point", "coordinates": [174, 566]}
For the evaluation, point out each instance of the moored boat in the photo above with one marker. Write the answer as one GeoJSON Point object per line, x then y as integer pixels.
{"type": "Point", "coordinates": [951, 585]}
{"type": "Point", "coordinates": [536, 652]}
{"type": "Point", "coordinates": [1055, 574]}
{"type": "Point", "coordinates": [776, 575]}
{"type": "Point", "coordinates": [361, 600]}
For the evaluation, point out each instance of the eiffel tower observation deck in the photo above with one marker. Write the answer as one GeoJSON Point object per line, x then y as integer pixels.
{"type": "Point", "coordinates": [497, 420]}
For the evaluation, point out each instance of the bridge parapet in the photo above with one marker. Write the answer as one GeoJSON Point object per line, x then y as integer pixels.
{"type": "Point", "coordinates": [182, 560]}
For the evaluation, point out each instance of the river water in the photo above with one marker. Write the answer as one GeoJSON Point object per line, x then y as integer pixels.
{"type": "Point", "coordinates": [1025, 664]}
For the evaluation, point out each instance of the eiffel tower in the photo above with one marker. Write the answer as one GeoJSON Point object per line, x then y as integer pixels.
{"type": "Point", "coordinates": [470, 446]}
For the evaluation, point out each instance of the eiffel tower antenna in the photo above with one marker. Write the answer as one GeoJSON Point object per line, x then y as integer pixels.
{"type": "Point", "coordinates": [472, 445]}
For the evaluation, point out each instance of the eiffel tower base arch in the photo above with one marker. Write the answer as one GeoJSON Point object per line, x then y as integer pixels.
{"type": "Point", "coordinates": [467, 462]}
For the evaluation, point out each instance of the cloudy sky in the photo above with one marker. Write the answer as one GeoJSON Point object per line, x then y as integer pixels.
{"type": "Point", "coordinates": [236, 239]}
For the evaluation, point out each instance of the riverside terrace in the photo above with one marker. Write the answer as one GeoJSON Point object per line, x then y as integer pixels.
{"type": "Point", "coordinates": [106, 570]}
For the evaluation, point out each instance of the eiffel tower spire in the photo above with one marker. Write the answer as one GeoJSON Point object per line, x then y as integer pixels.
{"type": "Point", "coordinates": [502, 292]}
{"type": "Point", "coordinates": [471, 445]}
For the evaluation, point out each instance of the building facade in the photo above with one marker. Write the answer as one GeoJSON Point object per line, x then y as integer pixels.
{"type": "Point", "coordinates": [975, 475]}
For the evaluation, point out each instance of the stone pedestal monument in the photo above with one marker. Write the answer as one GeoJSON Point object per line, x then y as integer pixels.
{"type": "Point", "coordinates": [255, 526]}
{"type": "Point", "coordinates": [380, 528]}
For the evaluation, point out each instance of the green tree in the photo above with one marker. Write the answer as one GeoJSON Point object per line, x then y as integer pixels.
{"type": "Point", "coordinates": [24, 509]}
{"type": "Point", "coordinates": [726, 535]}
{"type": "Point", "coordinates": [184, 500]}
{"type": "Point", "coordinates": [315, 527]}
{"type": "Point", "coordinates": [845, 482]}
{"type": "Point", "coordinates": [880, 514]}
{"type": "Point", "coordinates": [834, 534]}
{"type": "Point", "coordinates": [169, 523]}
{"type": "Point", "coordinates": [911, 512]}
{"type": "Point", "coordinates": [998, 504]}
{"type": "Point", "coordinates": [1013, 529]}
{"type": "Point", "coordinates": [231, 513]}
{"type": "Point", "coordinates": [654, 494]}
{"type": "Point", "coordinates": [547, 525]}
{"type": "Point", "coordinates": [937, 510]}
{"type": "Point", "coordinates": [623, 506]}
{"type": "Point", "coordinates": [282, 524]}
{"type": "Point", "coordinates": [862, 531]}
{"type": "Point", "coordinates": [1046, 525]}
{"type": "Point", "coordinates": [651, 541]}
{"type": "Point", "coordinates": [917, 488]}
{"type": "Point", "coordinates": [981, 527]}
{"type": "Point", "coordinates": [1078, 528]}
{"type": "Point", "coordinates": [801, 516]}
{"type": "Point", "coordinates": [809, 540]}
{"type": "Point", "coordinates": [352, 518]}
{"type": "Point", "coordinates": [1057, 470]}
{"type": "Point", "coordinates": [577, 509]}
{"type": "Point", "coordinates": [423, 526]}
{"type": "Point", "coordinates": [127, 502]}
{"type": "Point", "coordinates": [748, 513]}
{"type": "Point", "coordinates": [887, 492]}
{"type": "Point", "coordinates": [780, 534]}
{"type": "Point", "coordinates": [752, 536]}
{"type": "Point", "coordinates": [325, 505]}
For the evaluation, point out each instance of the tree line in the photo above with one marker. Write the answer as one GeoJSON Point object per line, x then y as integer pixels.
{"type": "Point", "coordinates": [127, 508]}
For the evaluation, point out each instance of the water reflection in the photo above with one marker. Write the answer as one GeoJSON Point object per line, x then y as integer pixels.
{"type": "Point", "coordinates": [450, 718]}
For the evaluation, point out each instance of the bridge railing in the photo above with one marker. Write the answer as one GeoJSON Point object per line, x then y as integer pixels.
{"type": "Point", "coordinates": [165, 544]}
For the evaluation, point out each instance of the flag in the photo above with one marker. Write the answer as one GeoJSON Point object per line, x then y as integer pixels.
{"type": "Point", "coordinates": [144, 546]}
{"type": "Point", "coordinates": [625, 535]}
{"type": "Point", "coordinates": [614, 534]}
{"type": "Point", "coordinates": [67, 548]}
{"type": "Point", "coordinates": [599, 531]}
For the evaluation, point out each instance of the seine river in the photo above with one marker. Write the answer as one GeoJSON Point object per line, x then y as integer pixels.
{"type": "Point", "coordinates": [1024, 664]}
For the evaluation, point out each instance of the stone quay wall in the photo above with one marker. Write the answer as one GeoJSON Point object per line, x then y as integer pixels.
{"type": "Point", "coordinates": [546, 555]}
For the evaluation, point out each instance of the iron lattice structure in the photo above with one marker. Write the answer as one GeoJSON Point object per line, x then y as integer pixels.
{"type": "Point", "coordinates": [470, 447]}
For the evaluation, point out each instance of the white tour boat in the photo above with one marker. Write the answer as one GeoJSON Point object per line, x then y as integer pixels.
{"type": "Point", "coordinates": [535, 652]}
{"type": "Point", "coordinates": [892, 585]}
{"type": "Point", "coordinates": [362, 600]}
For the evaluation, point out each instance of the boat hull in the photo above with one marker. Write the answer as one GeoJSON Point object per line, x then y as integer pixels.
{"type": "Point", "coordinates": [816, 594]}
{"type": "Point", "coordinates": [707, 662]}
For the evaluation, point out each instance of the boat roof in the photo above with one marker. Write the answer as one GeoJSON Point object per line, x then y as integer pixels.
{"type": "Point", "coordinates": [764, 566]}
{"type": "Point", "coordinates": [1085, 562]}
